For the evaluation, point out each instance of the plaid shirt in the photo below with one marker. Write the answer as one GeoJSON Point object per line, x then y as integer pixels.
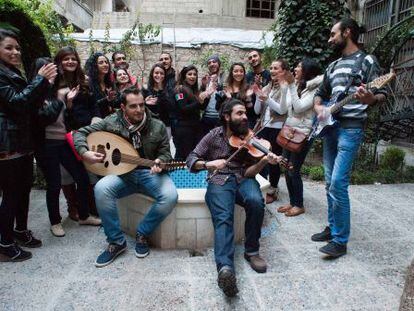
{"type": "Point", "coordinates": [215, 146]}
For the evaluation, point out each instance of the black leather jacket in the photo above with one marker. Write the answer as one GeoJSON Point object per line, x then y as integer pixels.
{"type": "Point", "coordinates": [19, 102]}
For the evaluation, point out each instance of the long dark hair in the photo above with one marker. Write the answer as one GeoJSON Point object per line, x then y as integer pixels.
{"type": "Point", "coordinates": [91, 67]}
{"type": "Point", "coordinates": [5, 33]}
{"type": "Point", "coordinates": [116, 73]}
{"type": "Point", "coordinates": [230, 80]}
{"type": "Point", "coordinates": [151, 81]}
{"type": "Point", "coordinates": [310, 69]}
{"type": "Point", "coordinates": [62, 79]}
{"type": "Point", "coordinates": [181, 79]}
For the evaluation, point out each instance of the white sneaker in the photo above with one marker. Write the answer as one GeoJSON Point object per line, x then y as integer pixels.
{"type": "Point", "coordinates": [91, 221]}
{"type": "Point", "coordinates": [57, 230]}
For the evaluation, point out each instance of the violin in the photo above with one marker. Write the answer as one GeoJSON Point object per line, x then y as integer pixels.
{"type": "Point", "coordinates": [256, 147]}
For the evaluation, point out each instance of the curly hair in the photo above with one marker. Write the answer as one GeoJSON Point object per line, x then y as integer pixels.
{"type": "Point", "coordinates": [91, 67]}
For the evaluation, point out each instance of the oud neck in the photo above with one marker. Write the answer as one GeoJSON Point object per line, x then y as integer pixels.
{"type": "Point", "coordinates": [338, 106]}
{"type": "Point", "coordinates": [144, 162]}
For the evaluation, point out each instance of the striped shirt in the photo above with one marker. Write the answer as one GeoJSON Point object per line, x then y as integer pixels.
{"type": "Point", "coordinates": [336, 78]}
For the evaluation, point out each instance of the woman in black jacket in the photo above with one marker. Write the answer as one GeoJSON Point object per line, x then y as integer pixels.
{"type": "Point", "coordinates": [99, 71]}
{"type": "Point", "coordinates": [18, 104]}
{"type": "Point", "coordinates": [186, 133]}
{"type": "Point", "coordinates": [157, 98]}
{"type": "Point", "coordinates": [80, 110]}
{"type": "Point", "coordinates": [52, 150]}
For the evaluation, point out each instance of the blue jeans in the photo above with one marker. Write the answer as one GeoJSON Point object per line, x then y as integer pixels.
{"type": "Point", "coordinates": [340, 146]}
{"type": "Point", "coordinates": [220, 200]}
{"type": "Point", "coordinates": [112, 187]}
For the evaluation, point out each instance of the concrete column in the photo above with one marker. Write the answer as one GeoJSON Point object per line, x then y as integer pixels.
{"type": "Point", "coordinates": [107, 6]}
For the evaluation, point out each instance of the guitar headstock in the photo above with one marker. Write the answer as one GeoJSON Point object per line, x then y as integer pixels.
{"type": "Point", "coordinates": [382, 80]}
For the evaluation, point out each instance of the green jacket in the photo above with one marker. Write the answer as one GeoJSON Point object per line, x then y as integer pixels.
{"type": "Point", "coordinates": [153, 135]}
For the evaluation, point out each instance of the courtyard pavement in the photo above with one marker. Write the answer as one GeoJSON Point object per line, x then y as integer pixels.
{"type": "Point", "coordinates": [61, 275]}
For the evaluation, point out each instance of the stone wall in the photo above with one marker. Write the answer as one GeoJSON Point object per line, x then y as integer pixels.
{"type": "Point", "coordinates": [184, 56]}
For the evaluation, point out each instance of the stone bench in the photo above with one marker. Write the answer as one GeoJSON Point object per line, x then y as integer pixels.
{"type": "Point", "coordinates": [189, 226]}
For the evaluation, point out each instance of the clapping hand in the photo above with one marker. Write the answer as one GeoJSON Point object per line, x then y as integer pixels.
{"type": "Point", "coordinates": [49, 72]}
{"type": "Point", "coordinates": [151, 100]}
{"type": "Point", "coordinates": [259, 93]}
{"type": "Point", "coordinates": [111, 94]}
{"type": "Point", "coordinates": [70, 96]}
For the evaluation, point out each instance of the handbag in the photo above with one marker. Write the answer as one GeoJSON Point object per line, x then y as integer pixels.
{"type": "Point", "coordinates": [291, 139]}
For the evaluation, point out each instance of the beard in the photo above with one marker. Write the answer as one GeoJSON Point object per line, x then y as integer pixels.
{"type": "Point", "coordinates": [339, 46]}
{"type": "Point", "coordinates": [239, 128]}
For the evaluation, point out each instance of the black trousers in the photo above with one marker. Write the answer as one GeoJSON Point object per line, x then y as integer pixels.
{"type": "Point", "coordinates": [49, 157]}
{"type": "Point", "coordinates": [16, 178]}
{"type": "Point", "coordinates": [273, 171]}
{"type": "Point", "coordinates": [186, 137]}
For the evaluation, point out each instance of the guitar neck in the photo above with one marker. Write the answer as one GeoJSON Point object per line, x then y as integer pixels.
{"type": "Point", "coordinates": [338, 106]}
{"type": "Point", "coordinates": [149, 163]}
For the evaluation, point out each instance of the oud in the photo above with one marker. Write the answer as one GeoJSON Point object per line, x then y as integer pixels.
{"type": "Point", "coordinates": [120, 156]}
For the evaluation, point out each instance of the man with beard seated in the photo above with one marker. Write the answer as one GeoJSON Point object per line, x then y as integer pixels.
{"type": "Point", "coordinates": [229, 183]}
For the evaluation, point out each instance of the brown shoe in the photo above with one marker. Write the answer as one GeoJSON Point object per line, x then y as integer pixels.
{"type": "Point", "coordinates": [295, 211]}
{"type": "Point", "coordinates": [284, 208]}
{"type": "Point", "coordinates": [257, 263]}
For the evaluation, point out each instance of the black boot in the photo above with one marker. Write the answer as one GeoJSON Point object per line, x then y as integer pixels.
{"type": "Point", "coordinates": [70, 194]}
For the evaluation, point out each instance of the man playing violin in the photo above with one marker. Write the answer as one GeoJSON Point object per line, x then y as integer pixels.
{"type": "Point", "coordinates": [149, 137]}
{"type": "Point", "coordinates": [231, 181]}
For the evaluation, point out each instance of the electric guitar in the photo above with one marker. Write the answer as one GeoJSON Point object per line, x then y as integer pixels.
{"type": "Point", "coordinates": [120, 156]}
{"type": "Point", "coordinates": [320, 127]}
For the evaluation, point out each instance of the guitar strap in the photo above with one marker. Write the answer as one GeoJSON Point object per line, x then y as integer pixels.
{"type": "Point", "coordinates": [354, 75]}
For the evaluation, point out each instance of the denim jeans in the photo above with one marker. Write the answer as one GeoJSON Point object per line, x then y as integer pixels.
{"type": "Point", "coordinates": [293, 178]}
{"type": "Point", "coordinates": [112, 187]}
{"type": "Point", "coordinates": [49, 158]}
{"type": "Point", "coordinates": [220, 200]}
{"type": "Point", "coordinates": [340, 146]}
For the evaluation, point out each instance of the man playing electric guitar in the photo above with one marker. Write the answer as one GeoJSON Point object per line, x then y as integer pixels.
{"type": "Point", "coordinates": [149, 136]}
{"type": "Point", "coordinates": [348, 74]}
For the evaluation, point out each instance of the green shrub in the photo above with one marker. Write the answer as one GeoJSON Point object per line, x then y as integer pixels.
{"type": "Point", "coordinates": [362, 178]}
{"type": "Point", "coordinates": [387, 176]}
{"type": "Point", "coordinates": [393, 159]}
{"type": "Point", "coordinates": [304, 170]}
{"type": "Point", "coordinates": [408, 174]}
{"type": "Point", "coordinates": [316, 173]}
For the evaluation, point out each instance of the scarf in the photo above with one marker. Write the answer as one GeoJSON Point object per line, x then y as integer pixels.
{"type": "Point", "coordinates": [134, 130]}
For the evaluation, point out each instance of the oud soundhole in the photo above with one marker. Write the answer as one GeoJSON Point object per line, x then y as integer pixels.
{"type": "Point", "coordinates": [116, 157]}
{"type": "Point", "coordinates": [106, 164]}
{"type": "Point", "coordinates": [108, 146]}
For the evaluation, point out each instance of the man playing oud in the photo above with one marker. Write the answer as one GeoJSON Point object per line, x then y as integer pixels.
{"type": "Point", "coordinates": [149, 137]}
{"type": "Point", "coordinates": [340, 144]}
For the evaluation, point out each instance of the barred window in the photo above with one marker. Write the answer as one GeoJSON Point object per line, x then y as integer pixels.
{"type": "Point", "coordinates": [260, 8]}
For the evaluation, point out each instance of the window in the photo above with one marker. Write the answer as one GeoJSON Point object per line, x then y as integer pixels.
{"type": "Point", "coordinates": [260, 8]}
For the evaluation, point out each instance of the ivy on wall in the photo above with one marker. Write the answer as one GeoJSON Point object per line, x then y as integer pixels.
{"type": "Point", "coordinates": [302, 30]}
